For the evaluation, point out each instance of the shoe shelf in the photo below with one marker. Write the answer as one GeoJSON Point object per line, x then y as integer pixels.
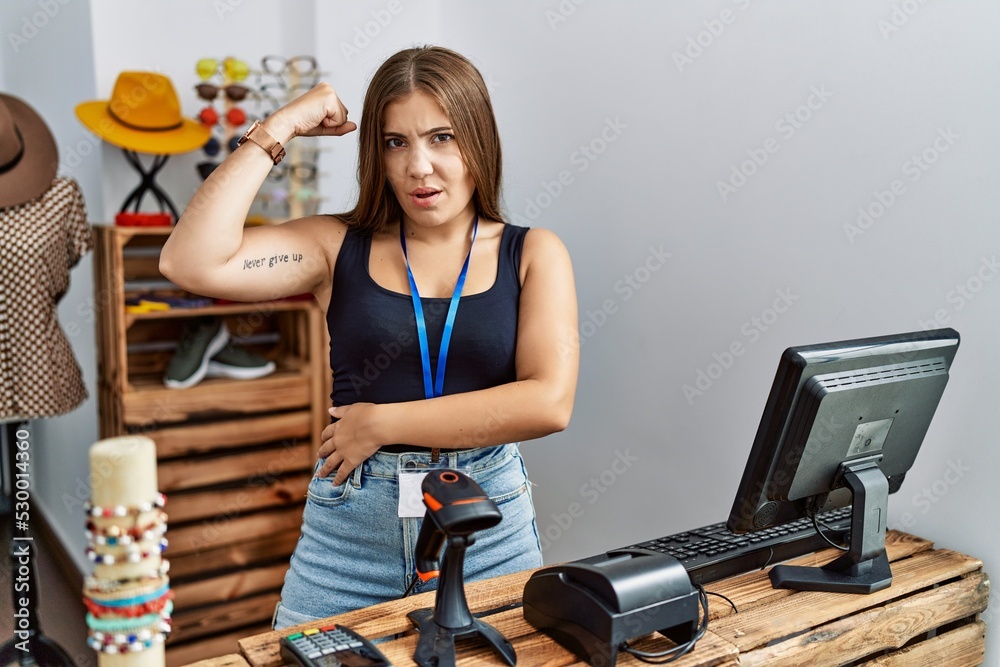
{"type": "Point", "coordinates": [233, 456]}
{"type": "Point", "coordinates": [265, 307]}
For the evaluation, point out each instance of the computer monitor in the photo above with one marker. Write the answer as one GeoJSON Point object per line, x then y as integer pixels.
{"type": "Point", "coordinates": [842, 426]}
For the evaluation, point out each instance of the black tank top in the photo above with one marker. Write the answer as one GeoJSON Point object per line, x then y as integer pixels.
{"type": "Point", "coordinates": [374, 353]}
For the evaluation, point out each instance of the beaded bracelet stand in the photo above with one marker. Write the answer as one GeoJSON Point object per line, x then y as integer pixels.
{"type": "Point", "coordinates": [128, 598]}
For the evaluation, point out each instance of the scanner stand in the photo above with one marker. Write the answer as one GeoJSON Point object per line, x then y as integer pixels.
{"type": "Point", "coordinates": [451, 619]}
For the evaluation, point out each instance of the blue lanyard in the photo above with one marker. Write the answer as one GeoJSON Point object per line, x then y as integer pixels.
{"type": "Point", "coordinates": [434, 386]}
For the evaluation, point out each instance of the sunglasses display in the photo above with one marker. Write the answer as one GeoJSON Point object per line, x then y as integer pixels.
{"type": "Point", "coordinates": [212, 147]}
{"type": "Point", "coordinates": [225, 85]}
{"type": "Point", "coordinates": [232, 68]}
{"type": "Point", "coordinates": [278, 201]}
{"type": "Point", "coordinates": [208, 116]}
{"type": "Point", "coordinates": [299, 65]}
{"type": "Point", "coordinates": [234, 92]}
{"type": "Point", "coordinates": [301, 172]}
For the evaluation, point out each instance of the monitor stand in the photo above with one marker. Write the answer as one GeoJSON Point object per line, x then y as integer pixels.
{"type": "Point", "coordinates": [865, 567]}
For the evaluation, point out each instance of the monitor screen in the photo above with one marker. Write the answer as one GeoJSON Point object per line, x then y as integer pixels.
{"type": "Point", "coordinates": [836, 409]}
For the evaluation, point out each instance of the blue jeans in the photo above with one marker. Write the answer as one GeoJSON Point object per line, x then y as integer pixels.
{"type": "Point", "coordinates": [355, 551]}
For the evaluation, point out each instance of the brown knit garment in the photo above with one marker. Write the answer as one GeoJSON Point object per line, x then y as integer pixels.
{"type": "Point", "coordinates": [40, 241]}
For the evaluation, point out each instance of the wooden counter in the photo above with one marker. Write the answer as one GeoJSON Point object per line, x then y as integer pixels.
{"type": "Point", "coordinates": [929, 616]}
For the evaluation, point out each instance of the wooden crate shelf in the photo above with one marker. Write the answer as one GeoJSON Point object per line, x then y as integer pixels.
{"type": "Point", "coordinates": [233, 556]}
{"type": "Point", "coordinates": [266, 491]}
{"type": "Point", "coordinates": [149, 402]}
{"type": "Point", "coordinates": [233, 456]}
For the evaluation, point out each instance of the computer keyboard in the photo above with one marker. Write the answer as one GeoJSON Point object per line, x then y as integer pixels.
{"type": "Point", "coordinates": [713, 552]}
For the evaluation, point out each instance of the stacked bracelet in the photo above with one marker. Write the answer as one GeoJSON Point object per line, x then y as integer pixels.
{"type": "Point", "coordinates": [117, 588]}
{"type": "Point", "coordinates": [134, 555]}
{"type": "Point", "coordinates": [132, 643]}
{"type": "Point", "coordinates": [115, 535]}
{"type": "Point", "coordinates": [126, 625]}
{"type": "Point", "coordinates": [138, 597]}
{"type": "Point", "coordinates": [160, 570]}
{"type": "Point", "coordinates": [122, 510]}
{"type": "Point", "coordinates": [133, 611]}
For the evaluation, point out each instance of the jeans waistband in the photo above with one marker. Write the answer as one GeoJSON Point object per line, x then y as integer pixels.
{"type": "Point", "coordinates": [387, 464]}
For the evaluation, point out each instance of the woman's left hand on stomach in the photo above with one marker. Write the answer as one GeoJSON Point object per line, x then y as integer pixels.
{"type": "Point", "coordinates": [350, 441]}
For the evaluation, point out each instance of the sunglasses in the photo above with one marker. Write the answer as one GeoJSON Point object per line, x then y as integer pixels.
{"type": "Point", "coordinates": [301, 87]}
{"type": "Point", "coordinates": [276, 201]}
{"type": "Point", "coordinates": [235, 116]}
{"type": "Point", "coordinates": [213, 145]}
{"type": "Point", "coordinates": [234, 92]}
{"type": "Point", "coordinates": [206, 168]}
{"type": "Point", "coordinates": [300, 65]}
{"type": "Point", "coordinates": [301, 172]}
{"type": "Point", "coordinates": [232, 68]}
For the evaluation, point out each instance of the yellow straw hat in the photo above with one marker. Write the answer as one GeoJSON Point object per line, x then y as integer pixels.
{"type": "Point", "coordinates": [143, 115]}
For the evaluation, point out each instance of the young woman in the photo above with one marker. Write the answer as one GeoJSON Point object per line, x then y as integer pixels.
{"type": "Point", "coordinates": [427, 219]}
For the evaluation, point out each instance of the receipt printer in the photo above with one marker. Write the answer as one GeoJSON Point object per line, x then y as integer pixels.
{"type": "Point", "coordinates": [591, 606]}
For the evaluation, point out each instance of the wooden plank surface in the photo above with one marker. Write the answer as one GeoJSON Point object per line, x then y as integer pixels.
{"type": "Point", "coordinates": [931, 589]}
{"type": "Point", "coordinates": [218, 618]}
{"type": "Point", "coordinates": [219, 531]}
{"type": "Point", "coordinates": [230, 660]}
{"type": "Point", "coordinates": [186, 440]}
{"type": "Point", "coordinates": [963, 647]}
{"type": "Point", "coordinates": [534, 648]}
{"type": "Point", "coordinates": [241, 554]}
{"type": "Point", "coordinates": [142, 267]}
{"type": "Point", "coordinates": [260, 492]}
{"type": "Point", "coordinates": [389, 618]}
{"type": "Point", "coordinates": [111, 357]}
{"type": "Point", "coordinates": [806, 609]}
{"type": "Point", "coordinates": [264, 307]}
{"type": "Point", "coordinates": [229, 586]}
{"type": "Point", "coordinates": [236, 465]}
{"type": "Point", "coordinates": [150, 402]}
{"type": "Point", "coordinates": [754, 589]}
{"type": "Point", "coordinates": [222, 644]}
{"type": "Point", "coordinates": [864, 634]}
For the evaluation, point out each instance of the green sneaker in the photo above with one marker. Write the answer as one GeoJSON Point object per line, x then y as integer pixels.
{"type": "Point", "coordinates": [201, 339]}
{"type": "Point", "coordinates": [239, 364]}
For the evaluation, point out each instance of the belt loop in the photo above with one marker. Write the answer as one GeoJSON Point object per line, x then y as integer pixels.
{"type": "Point", "coordinates": [356, 477]}
{"type": "Point", "coordinates": [435, 455]}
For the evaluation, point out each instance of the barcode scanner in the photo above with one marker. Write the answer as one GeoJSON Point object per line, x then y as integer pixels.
{"type": "Point", "coordinates": [457, 508]}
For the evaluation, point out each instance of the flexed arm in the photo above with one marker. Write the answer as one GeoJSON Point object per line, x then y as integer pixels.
{"type": "Point", "coordinates": [210, 253]}
{"type": "Point", "coordinates": [538, 403]}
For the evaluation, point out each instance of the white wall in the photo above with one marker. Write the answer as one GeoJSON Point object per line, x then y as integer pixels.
{"type": "Point", "coordinates": [675, 131]}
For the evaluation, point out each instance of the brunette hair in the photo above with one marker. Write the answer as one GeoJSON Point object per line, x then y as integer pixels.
{"type": "Point", "coordinates": [458, 87]}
